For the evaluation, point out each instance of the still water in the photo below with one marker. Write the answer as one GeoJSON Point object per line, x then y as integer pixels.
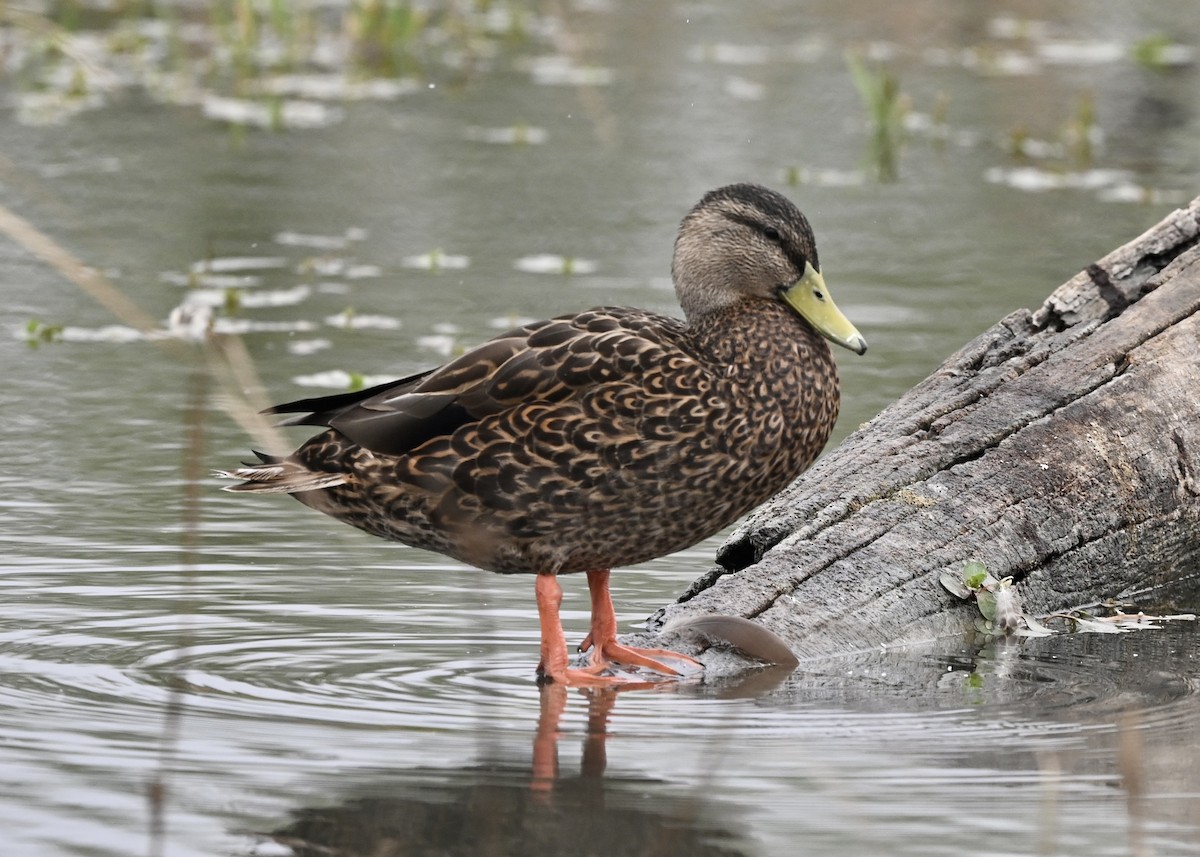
{"type": "Point", "coordinates": [290, 686]}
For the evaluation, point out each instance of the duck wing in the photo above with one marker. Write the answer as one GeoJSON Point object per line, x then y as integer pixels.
{"type": "Point", "coordinates": [547, 361]}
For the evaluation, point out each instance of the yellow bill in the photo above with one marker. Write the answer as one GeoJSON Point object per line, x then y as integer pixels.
{"type": "Point", "coordinates": [809, 297]}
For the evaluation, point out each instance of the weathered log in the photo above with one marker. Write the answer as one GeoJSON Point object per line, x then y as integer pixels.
{"type": "Point", "coordinates": [1061, 448]}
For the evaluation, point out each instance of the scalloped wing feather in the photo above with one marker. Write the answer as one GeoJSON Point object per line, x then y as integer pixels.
{"type": "Point", "coordinates": [548, 361]}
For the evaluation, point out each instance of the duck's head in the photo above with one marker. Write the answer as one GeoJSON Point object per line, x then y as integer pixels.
{"type": "Point", "coordinates": [745, 242]}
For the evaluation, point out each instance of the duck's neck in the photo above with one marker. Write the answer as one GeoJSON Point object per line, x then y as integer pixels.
{"type": "Point", "coordinates": [753, 333]}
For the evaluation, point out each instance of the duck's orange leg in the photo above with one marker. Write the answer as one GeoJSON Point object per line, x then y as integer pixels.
{"type": "Point", "coordinates": [554, 663]}
{"type": "Point", "coordinates": [603, 637]}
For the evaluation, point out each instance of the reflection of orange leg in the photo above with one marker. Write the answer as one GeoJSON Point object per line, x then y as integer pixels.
{"type": "Point", "coordinates": [553, 665]}
{"type": "Point", "coordinates": [603, 637]}
{"type": "Point", "coordinates": [545, 741]}
{"type": "Point", "coordinates": [600, 706]}
{"type": "Point", "coordinates": [551, 705]}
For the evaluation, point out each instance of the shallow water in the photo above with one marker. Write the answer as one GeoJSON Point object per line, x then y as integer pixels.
{"type": "Point", "coordinates": [288, 680]}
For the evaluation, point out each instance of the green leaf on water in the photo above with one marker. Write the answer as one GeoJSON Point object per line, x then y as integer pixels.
{"type": "Point", "coordinates": [987, 604]}
{"type": "Point", "coordinates": [954, 585]}
{"type": "Point", "coordinates": [974, 574]}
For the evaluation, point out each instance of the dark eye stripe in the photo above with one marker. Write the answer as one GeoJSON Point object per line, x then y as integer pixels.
{"type": "Point", "coordinates": [771, 233]}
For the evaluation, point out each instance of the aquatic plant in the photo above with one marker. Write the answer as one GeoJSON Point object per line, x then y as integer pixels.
{"type": "Point", "coordinates": [1002, 614]}
{"type": "Point", "coordinates": [1072, 153]}
{"type": "Point", "coordinates": [39, 333]}
{"type": "Point", "coordinates": [1160, 53]}
{"type": "Point", "coordinates": [886, 107]}
{"type": "Point", "coordinates": [1081, 134]}
{"type": "Point", "coordinates": [998, 601]}
{"type": "Point", "coordinates": [384, 34]}
{"type": "Point", "coordinates": [248, 62]}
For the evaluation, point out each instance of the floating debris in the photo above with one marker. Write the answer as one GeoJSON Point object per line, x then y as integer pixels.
{"type": "Point", "coordinates": [881, 51]}
{"type": "Point", "coordinates": [1021, 145]}
{"type": "Point", "coordinates": [508, 322]}
{"type": "Point", "coordinates": [273, 298]}
{"type": "Point", "coordinates": [276, 297]}
{"type": "Point", "coordinates": [1007, 63]}
{"type": "Point", "coordinates": [1017, 28]}
{"type": "Point", "coordinates": [439, 343]}
{"type": "Point", "coordinates": [339, 379]}
{"type": "Point", "coordinates": [548, 263]}
{"type": "Point", "coordinates": [362, 272]}
{"type": "Point", "coordinates": [191, 321]}
{"type": "Point", "coordinates": [513, 135]}
{"type": "Point", "coordinates": [337, 266]}
{"type": "Point", "coordinates": [744, 90]}
{"type": "Point", "coordinates": [336, 87]}
{"type": "Point", "coordinates": [1119, 623]}
{"type": "Point", "coordinates": [54, 108]}
{"type": "Point", "coordinates": [272, 115]}
{"type": "Point", "coordinates": [1142, 195]}
{"type": "Point", "coordinates": [116, 333]}
{"type": "Point", "coordinates": [212, 281]}
{"type": "Point", "coordinates": [805, 50]}
{"type": "Point", "coordinates": [1036, 179]}
{"type": "Point", "coordinates": [348, 319]}
{"type": "Point", "coordinates": [1002, 615]}
{"type": "Point", "coordinates": [228, 264]}
{"type": "Point", "coordinates": [305, 347]}
{"type": "Point", "coordinates": [724, 53]}
{"type": "Point", "coordinates": [823, 177]}
{"type": "Point", "coordinates": [1079, 52]}
{"type": "Point", "coordinates": [559, 70]}
{"type": "Point", "coordinates": [314, 242]}
{"type": "Point", "coordinates": [227, 325]}
{"type": "Point", "coordinates": [443, 341]}
{"type": "Point", "coordinates": [436, 260]}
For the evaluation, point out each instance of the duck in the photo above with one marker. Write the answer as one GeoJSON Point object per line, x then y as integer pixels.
{"type": "Point", "coordinates": [599, 439]}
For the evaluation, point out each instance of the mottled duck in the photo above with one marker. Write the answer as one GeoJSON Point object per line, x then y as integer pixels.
{"type": "Point", "coordinates": [600, 439]}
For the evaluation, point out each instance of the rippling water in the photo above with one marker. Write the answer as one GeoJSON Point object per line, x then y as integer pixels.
{"type": "Point", "coordinates": [365, 692]}
{"type": "Point", "coordinates": [288, 686]}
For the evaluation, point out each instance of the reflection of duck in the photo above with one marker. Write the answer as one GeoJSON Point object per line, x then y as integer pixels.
{"type": "Point", "coordinates": [502, 807]}
{"type": "Point", "coordinates": [599, 439]}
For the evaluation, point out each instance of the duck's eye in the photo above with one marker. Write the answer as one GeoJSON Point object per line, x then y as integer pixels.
{"type": "Point", "coordinates": [772, 234]}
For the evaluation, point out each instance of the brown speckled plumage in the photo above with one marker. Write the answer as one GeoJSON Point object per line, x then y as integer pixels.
{"type": "Point", "coordinates": [594, 440]}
